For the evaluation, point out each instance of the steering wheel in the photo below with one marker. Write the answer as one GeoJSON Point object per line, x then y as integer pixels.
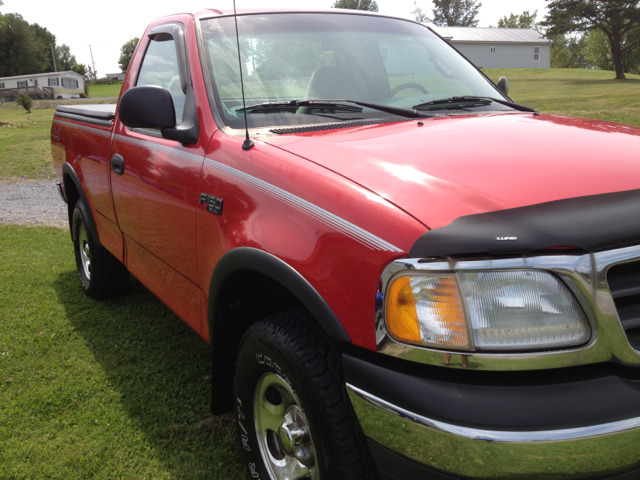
{"type": "Point", "coordinates": [404, 86]}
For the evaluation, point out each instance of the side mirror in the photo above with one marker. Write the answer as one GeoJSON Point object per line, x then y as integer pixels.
{"type": "Point", "coordinates": [503, 84]}
{"type": "Point", "coordinates": [147, 107]}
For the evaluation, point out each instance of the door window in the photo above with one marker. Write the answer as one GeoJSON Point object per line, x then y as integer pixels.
{"type": "Point", "coordinates": [160, 67]}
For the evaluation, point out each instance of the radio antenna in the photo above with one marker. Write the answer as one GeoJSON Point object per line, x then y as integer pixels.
{"type": "Point", "coordinates": [248, 143]}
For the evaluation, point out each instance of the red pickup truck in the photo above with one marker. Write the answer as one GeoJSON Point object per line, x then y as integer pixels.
{"type": "Point", "coordinates": [402, 273]}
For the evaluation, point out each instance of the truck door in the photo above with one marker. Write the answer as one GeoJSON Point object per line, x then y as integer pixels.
{"type": "Point", "coordinates": [155, 184]}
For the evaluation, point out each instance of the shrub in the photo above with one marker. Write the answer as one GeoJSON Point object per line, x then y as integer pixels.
{"type": "Point", "coordinates": [25, 101]}
{"type": "Point", "coordinates": [83, 95]}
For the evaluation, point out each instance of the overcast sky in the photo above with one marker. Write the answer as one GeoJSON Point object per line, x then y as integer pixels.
{"type": "Point", "coordinates": [106, 25]}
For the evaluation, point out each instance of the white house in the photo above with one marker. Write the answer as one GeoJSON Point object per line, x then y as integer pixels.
{"type": "Point", "coordinates": [51, 85]}
{"type": "Point", "coordinates": [499, 47]}
{"type": "Point", "coordinates": [115, 76]}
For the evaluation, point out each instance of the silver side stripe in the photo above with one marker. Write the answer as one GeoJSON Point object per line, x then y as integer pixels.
{"type": "Point", "coordinates": [320, 214]}
{"type": "Point", "coordinates": [337, 223]}
{"type": "Point", "coordinates": [328, 218]}
{"type": "Point", "coordinates": [169, 151]}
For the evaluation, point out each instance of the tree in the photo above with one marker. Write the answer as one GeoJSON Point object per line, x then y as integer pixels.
{"type": "Point", "coordinates": [568, 52]}
{"type": "Point", "coordinates": [598, 52]}
{"type": "Point", "coordinates": [80, 69]}
{"type": "Point", "coordinates": [45, 39]}
{"type": "Point", "coordinates": [91, 73]}
{"type": "Point", "coordinates": [65, 60]}
{"type": "Point", "coordinates": [419, 13]}
{"type": "Point", "coordinates": [617, 19]}
{"type": "Point", "coordinates": [525, 20]}
{"type": "Point", "coordinates": [20, 51]}
{"type": "Point", "coordinates": [632, 61]}
{"type": "Point", "coordinates": [451, 13]}
{"type": "Point", "coordinates": [126, 52]}
{"type": "Point", "coordinates": [369, 5]}
{"type": "Point", "coordinates": [24, 101]}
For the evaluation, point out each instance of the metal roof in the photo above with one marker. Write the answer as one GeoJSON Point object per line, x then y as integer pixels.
{"type": "Point", "coordinates": [46, 74]}
{"type": "Point", "coordinates": [489, 35]}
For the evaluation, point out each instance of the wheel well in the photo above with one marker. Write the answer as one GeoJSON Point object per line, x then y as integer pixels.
{"type": "Point", "coordinates": [244, 298]}
{"type": "Point", "coordinates": [251, 296]}
{"type": "Point", "coordinates": [72, 194]}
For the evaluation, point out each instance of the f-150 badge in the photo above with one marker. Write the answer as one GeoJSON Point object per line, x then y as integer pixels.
{"type": "Point", "coordinates": [213, 204]}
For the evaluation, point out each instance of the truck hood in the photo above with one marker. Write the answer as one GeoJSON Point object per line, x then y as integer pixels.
{"type": "Point", "coordinates": [454, 166]}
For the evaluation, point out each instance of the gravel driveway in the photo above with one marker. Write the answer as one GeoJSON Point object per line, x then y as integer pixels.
{"type": "Point", "coordinates": [32, 202]}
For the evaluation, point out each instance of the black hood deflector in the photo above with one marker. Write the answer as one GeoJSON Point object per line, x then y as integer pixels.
{"type": "Point", "coordinates": [591, 223]}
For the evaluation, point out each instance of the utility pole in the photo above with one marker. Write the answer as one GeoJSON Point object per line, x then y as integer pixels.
{"type": "Point", "coordinates": [94, 63]}
{"type": "Point", "coordinates": [53, 57]}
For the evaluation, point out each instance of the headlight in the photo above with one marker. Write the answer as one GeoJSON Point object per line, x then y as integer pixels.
{"type": "Point", "coordinates": [485, 310]}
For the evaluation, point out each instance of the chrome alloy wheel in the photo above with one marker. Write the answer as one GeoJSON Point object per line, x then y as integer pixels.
{"type": "Point", "coordinates": [283, 431]}
{"type": "Point", "coordinates": [85, 253]}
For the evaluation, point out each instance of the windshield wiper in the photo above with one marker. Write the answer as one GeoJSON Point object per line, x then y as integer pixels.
{"type": "Point", "coordinates": [335, 105]}
{"type": "Point", "coordinates": [472, 101]}
{"type": "Point", "coordinates": [293, 106]}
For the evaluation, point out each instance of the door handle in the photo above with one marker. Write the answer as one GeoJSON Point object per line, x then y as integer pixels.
{"type": "Point", "coordinates": [117, 164]}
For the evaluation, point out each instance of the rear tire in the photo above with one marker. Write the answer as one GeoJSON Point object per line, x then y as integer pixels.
{"type": "Point", "coordinates": [101, 274]}
{"type": "Point", "coordinates": [295, 420]}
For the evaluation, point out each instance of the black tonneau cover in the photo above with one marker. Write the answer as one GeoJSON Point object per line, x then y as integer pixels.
{"type": "Point", "coordinates": [591, 223]}
{"type": "Point", "coordinates": [100, 112]}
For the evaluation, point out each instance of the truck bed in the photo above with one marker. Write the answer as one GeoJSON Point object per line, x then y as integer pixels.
{"type": "Point", "coordinates": [101, 112]}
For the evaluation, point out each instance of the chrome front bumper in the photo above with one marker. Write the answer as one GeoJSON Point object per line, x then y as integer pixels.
{"type": "Point", "coordinates": [598, 450]}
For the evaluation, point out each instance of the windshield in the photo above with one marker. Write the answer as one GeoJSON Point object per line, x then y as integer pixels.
{"type": "Point", "coordinates": [331, 56]}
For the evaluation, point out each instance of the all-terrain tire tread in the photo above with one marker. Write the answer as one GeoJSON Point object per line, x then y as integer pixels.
{"type": "Point", "coordinates": [110, 278]}
{"type": "Point", "coordinates": [320, 356]}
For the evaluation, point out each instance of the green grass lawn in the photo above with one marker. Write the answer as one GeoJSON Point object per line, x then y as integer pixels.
{"type": "Point", "coordinates": [106, 390]}
{"type": "Point", "coordinates": [25, 139]}
{"type": "Point", "coordinates": [112, 90]}
{"type": "Point", "coordinates": [25, 146]}
{"type": "Point", "coordinates": [583, 93]}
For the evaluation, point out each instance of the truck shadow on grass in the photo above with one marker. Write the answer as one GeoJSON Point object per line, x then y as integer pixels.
{"type": "Point", "coordinates": [161, 370]}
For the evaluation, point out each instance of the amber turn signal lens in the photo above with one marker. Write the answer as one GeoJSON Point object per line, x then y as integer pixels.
{"type": "Point", "coordinates": [402, 317]}
{"type": "Point", "coordinates": [429, 310]}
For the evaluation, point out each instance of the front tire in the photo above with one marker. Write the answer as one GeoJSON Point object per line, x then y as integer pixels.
{"type": "Point", "coordinates": [101, 274]}
{"type": "Point", "coordinates": [295, 420]}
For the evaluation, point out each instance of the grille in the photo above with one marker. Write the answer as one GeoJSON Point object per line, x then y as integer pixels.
{"type": "Point", "coordinates": [624, 283]}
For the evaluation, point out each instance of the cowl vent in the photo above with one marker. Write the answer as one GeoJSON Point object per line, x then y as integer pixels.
{"type": "Point", "coordinates": [332, 126]}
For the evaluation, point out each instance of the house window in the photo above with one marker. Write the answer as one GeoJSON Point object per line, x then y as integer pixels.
{"type": "Point", "coordinates": [69, 83]}
{"type": "Point", "coordinates": [493, 49]}
{"type": "Point", "coordinates": [1, 84]}
{"type": "Point", "coordinates": [54, 82]}
{"type": "Point", "coordinates": [536, 53]}
{"type": "Point", "coordinates": [385, 54]}
{"type": "Point", "coordinates": [22, 84]}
